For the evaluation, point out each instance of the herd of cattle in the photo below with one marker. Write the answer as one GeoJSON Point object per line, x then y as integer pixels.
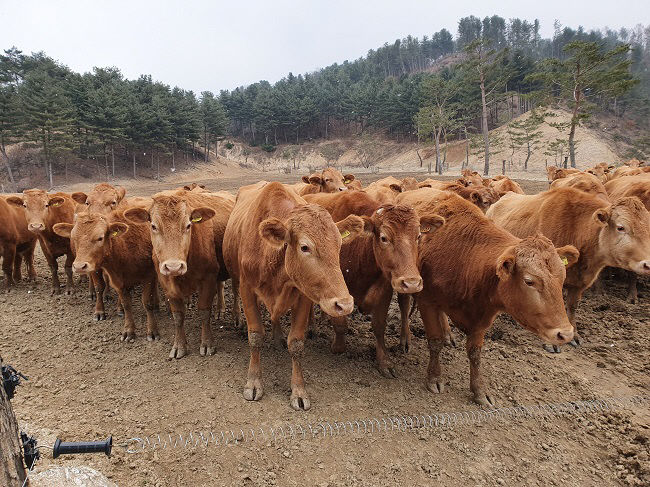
{"type": "Point", "coordinates": [467, 249]}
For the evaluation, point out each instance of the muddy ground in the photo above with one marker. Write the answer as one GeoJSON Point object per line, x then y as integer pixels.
{"type": "Point", "coordinates": [85, 384]}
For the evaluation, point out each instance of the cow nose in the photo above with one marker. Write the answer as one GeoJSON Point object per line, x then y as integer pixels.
{"type": "Point", "coordinates": [173, 268]}
{"type": "Point", "coordinates": [409, 285]}
{"type": "Point", "coordinates": [645, 267]}
{"type": "Point", "coordinates": [80, 266]}
{"type": "Point", "coordinates": [343, 188]}
{"type": "Point", "coordinates": [339, 306]}
{"type": "Point", "coordinates": [35, 227]}
{"type": "Point", "coordinates": [559, 336]}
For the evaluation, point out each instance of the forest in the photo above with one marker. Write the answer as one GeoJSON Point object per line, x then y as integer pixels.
{"type": "Point", "coordinates": [430, 89]}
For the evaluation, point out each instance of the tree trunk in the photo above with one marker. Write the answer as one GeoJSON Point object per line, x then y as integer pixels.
{"type": "Point", "coordinates": [7, 164]}
{"type": "Point", "coordinates": [173, 160]}
{"type": "Point", "coordinates": [134, 175]}
{"type": "Point", "coordinates": [152, 158]}
{"type": "Point", "coordinates": [503, 167]}
{"type": "Point", "coordinates": [51, 176]}
{"type": "Point", "coordinates": [438, 161]}
{"type": "Point", "coordinates": [572, 134]}
{"type": "Point", "coordinates": [113, 159]}
{"type": "Point", "coordinates": [527, 158]}
{"type": "Point", "coordinates": [158, 166]}
{"type": "Point", "coordinates": [419, 157]}
{"type": "Point", "coordinates": [12, 470]}
{"type": "Point", "coordinates": [466, 150]}
{"type": "Point", "coordinates": [486, 135]}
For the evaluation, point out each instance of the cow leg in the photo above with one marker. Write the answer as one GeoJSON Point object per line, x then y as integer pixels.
{"type": "Point", "coordinates": [29, 262]}
{"type": "Point", "coordinates": [91, 289]}
{"type": "Point", "coordinates": [119, 309]}
{"type": "Point", "coordinates": [155, 297]}
{"type": "Point", "coordinates": [149, 291]}
{"type": "Point", "coordinates": [434, 326]}
{"type": "Point", "coordinates": [18, 260]}
{"type": "Point", "coordinates": [379, 315]}
{"type": "Point", "coordinates": [100, 285]}
{"type": "Point", "coordinates": [221, 299]}
{"type": "Point", "coordinates": [632, 296]}
{"type": "Point", "coordinates": [253, 391]}
{"type": "Point", "coordinates": [179, 349]}
{"type": "Point", "coordinates": [69, 283]}
{"type": "Point", "coordinates": [204, 305]}
{"type": "Point", "coordinates": [128, 333]}
{"type": "Point", "coordinates": [277, 335]}
{"type": "Point", "coordinates": [474, 345]}
{"type": "Point", "coordinates": [340, 325]}
{"type": "Point", "coordinates": [8, 257]}
{"type": "Point", "coordinates": [572, 299]}
{"type": "Point", "coordinates": [404, 301]}
{"type": "Point", "coordinates": [296, 345]}
{"type": "Point", "coordinates": [54, 269]}
{"type": "Point", "coordinates": [236, 310]}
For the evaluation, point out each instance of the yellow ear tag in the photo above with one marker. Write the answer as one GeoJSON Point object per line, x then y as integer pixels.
{"type": "Point", "coordinates": [114, 233]}
{"type": "Point", "coordinates": [345, 234]}
{"type": "Point", "coordinates": [56, 204]}
{"type": "Point", "coordinates": [197, 219]}
{"type": "Point", "coordinates": [347, 181]}
{"type": "Point", "coordinates": [425, 229]}
{"type": "Point", "coordinates": [565, 261]}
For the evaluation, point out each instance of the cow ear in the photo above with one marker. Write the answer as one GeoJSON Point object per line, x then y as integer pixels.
{"type": "Point", "coordinates": [79, 197]}
{"type": "Point", "coordinates": [396, 187]}
{"type": "Point", "coordinates": [55, 201]}
{"type": "Point", "coordinates": [315, 179]}
{"type": "Point", "coordinates": [116, 229]}
{"type": "Point", "coordinates": [348, 178]}
{"type": "Point", "coordinates": [429, 223]}
{"type": "Point", "coordinates": [120, 193]}
{"type": "Point", "coordinates": [187, 188]}
{"type": "Point", "coordinates": [475, 197]}
{"type": "Point", "coordinates": [274, 231]}
{"type": "Point", "coordinates": [506, 264]}
{"type": "Point", "coordinates": [305, 179]}
{"type": "Point", "coordinates": [569, 255]}
{"type": "Point", "coordinates": [63, 229]}
{"type": "Point", "coordinates": [368, 225]}
{"type": "Point", "coordinates": [602, 215]}
{"type": "Point", "coordinates": [350, 228]}
{"type": "Point", "coordinates": [200, 215]}
{"type": "Point", "coordinates": [15, 200]}
{"type": "Point", "coordinates": [137, 215]}
{"type": "Point", "coordinates": [424, 185]}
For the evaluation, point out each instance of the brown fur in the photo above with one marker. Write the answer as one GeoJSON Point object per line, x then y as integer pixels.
{"type": "Point", "coordinates": [16, 243]}
{"type": "Point", "coordinates": [585, 182]}
{"type": "Point", "coordinates": [503, 184]}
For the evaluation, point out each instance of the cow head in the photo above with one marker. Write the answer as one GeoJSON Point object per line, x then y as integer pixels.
{"type": "Point", "coordinates": [312, 243]}
{"type": "Point", "coordinates": [482, 197]}
{"type": "Point", "coordinates": [171, 221]}
{"type": "Point", "coordinates": [531, 275]}
{"type": "Point", "coordinates": [625, 236]}
{"type": "Point", "coordinates": [396, 231]}
{"type": "Point", "coordinates": [329, 181]}
{"type": "Point", "coordinates": [103, 199]}
{"type": "Point", "coordinates": [91, 238]}
{"type": "Point", "coordinates": [37, 204]}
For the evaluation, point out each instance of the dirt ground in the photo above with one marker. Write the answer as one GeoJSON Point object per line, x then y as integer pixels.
{"type": "Point", "coordinates": [85, 384]}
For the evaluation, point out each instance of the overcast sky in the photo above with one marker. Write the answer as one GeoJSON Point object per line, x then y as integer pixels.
{"type": "Point", "coordinates": [212, 45]}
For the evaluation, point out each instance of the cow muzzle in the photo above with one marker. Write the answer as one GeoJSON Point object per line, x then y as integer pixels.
{"type": "Point", "coordinates": [643, 268]}
{"type": "Point", "coordinates": [173, 267]}
{"type": "Point", "coordinates": [343, 188]}
{"type": "Point", "coordinates": [82, 267]}
{"type": "Point", "coordinates": [559, 336]}
{"type": "Point", "coordinates": [407, 285]}
{"type": "Point", "coordinates": [339, 306]}
{"type": "Point", "coordinates": [36, 227]}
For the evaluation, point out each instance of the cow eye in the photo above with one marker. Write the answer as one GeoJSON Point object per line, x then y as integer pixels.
{"type": "Point", "coordinates": [383, 239]}
{"type": "Point", "coordinates": [99, 239]}
{"type": "Point", "coordinates": [87, 204]}
{"type": "Point", "coordinates": [328, 180]}
{"type": "Point", "coordinates": [304, 249]}
{"type": "Point", "coordinates": [529, 282]}
{"type": "Point", "coordinates": [620, 228]}
{"type": "Point", "coordinates": [154, 227]}
{"type": "Point", "coordinates": [188, 226]}
{"type": "Point", "coordinates": [113, 203]}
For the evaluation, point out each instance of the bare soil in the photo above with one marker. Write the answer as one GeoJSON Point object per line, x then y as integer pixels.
{"type": "Point", "coordinates": [85, 384]}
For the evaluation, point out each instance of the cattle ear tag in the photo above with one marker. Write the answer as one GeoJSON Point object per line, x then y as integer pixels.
{"type": "Point", "coordinates": [565, 261]}
{"type": "Point", "coordinates": [58, 203]}
{"type": "Point", "coordinates": [425, 229]}
{"type": "Point", "coordinates": [197, 219]}
{"type": "Point", "coordinates": [347, 181]}
{"type": "Point", "coordinates": [114, 233]}
{"type": "Point", "coordinates": [345, 234]}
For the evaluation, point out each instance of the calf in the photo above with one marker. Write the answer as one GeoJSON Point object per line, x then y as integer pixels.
{"type": "Point", "coordinates": [484, 272]}
{"type": "Point", "coordinates": [187, 235]}
{"type": "Point", "coordinates": [16, 243]}
{"type": "Point", "coordinates": [42, 212]}
{"type": "Point", "coordinates": [503, 184]}
{"type": "Point", "coordinates": [473, 178]}
{"type": "Point", "coordinates": [284, 253]}
{"type": "Point", "coordinates": [613, 234]}
{"type": "Point", "coordinates": [377, 263]}
{"type": "Point", "coordinates": [330, 180]}
{"type": "Point", "coordinates": [123, 253]}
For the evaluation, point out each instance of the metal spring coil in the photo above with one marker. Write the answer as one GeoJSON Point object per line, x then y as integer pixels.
{"type": "Point", "coordinates": [401, 424]}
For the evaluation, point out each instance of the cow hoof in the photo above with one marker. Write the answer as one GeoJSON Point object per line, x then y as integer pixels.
{"type": "Point", "coordinates": [120, 313]}
{"type": "Point", "coordinates": [450, 341]}
{"type": "Point", "coordinates": [300, 401]}
{"type": "Point", "coordinates": [206, 350]}
{"type": "Point", "coordinates": [484, 399]}
{"type": "Point", "coordinates": [575, 342]}
{"type": "Point", "coordinates": [69, 292]}
{"type": "Point", "coordinates": [405, 346]}
{"type": "Point", "coordinates": [100, 315]}
{"type": "Point", "coordinates": [337, 347]}
{"type": "Point", "coordinates": [388, 372]}
{"type": "Point", "coordinates": [632, 300]}
{"type": "Point", "coordinates": [128, 336]}
{"type": "Point", "coordinates": [153, 336]}
{"type": "Point", "coordinates": [177, 352]}
{"type": "Point", "coordinates": [551, 348]}
{"type": "Point", "coordinates": [279, 343]}
{"type": "Point", "coordinates": [253, 390]}
{"type": "Point", "coordinates": [436, 386]}
{"type": "Point", "coordinates": [56, 291]}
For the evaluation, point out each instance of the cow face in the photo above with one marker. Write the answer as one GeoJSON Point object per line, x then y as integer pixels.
{"type": "Point", "coordinates": [103, 199]}
{"type": "Point", "coordinates": [396, 232]}
{"type": "Point", "coordinates": [531, 275]}
{"type": "Point", "coordinates": [37, 203]}
{"type": "Point", "coordinates": [482, 197]}
{"type": "Point", "coordinates": [625, 235]}
{"type": "Point", "coordinates": [312, 243]}
{"type": "Point", "coordinates": [171, 222]}
{"type": "Point", "coordinates": [329, 181]}
{"type": "Point", "coordinates": [90, 238]}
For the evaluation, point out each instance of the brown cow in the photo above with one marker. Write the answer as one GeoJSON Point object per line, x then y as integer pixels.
{"type": "Point", "coordinates": [625, 171]}
{"type": "Point", "coordinates": [42, 212]}
{"type": "Point", "coordinates": [638, 186]}
{"type": "Point", "coordinates": [616, 234]}
{"type": "Point", "coordinates": [377, 263]}
{"type": "Point", "coordinates": [330, 180]}
{"type": "Point", "coordinates": [196, 187]}
{"type": "Point", "coordinates": [602, 171]}
{"type": "Point", "coordinates": [296, 263]}
{"type": "Point", "coordinates": [187, 236]}
{"type": "Point", "coordinates": [103, 199]}
{"type": "Point", "coordinates": [473, 178]}
{"type": "Point", "coordinates": [16, 243]}
{"type": "Point", "coordinates": [481, 196]}
{"type": "Point", "coordinates": [123, 253]}
{"type": "Point", "coordinates": [555, 173]}
{"type": "Point", "coordinates": [503, 184]}
{"type": "Point", "coordinates": [485, 272]}
{"type": "Point", "coordinates": [583, 181]}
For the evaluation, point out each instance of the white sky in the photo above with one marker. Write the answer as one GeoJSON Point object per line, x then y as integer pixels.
{"type": "Point", "coordinates": [213, 45]}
